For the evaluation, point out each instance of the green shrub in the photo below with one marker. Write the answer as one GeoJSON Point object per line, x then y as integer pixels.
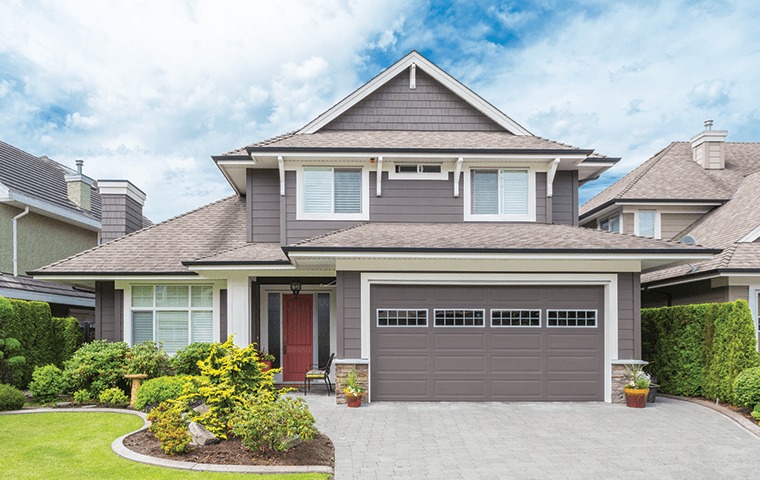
{"type": "Point", "coordinates": [158, 390]}
{"type": "Point", "coordinates": [10, 360]}
{"type": "Point", "coordinates": [756, 412]}
{"type": "Point", "coordinates": [11, 398]}
{"type": "Point", "coordinates": [228, 376]}
{"type": "Point", "coordinates": [113, 397]}
{"type": "Point", "coordinates": [185, 361]}
{"type": "Point", "coordinates": [82, 397]}
{"type": "Point", "coordinates": [169, 427]}
{"type": "Point", "coordinates": [48, 384]}
{"type": "Point", "coordinates": [747, 387]}
{"type": "Point", "coordinates": [97, 366]}
{"type": "Point", "coordinates": [269, 425]}
{"type": "Point", "coordinates": [69, 337]}
{"type": "Point", "coordinates": [149, 358]}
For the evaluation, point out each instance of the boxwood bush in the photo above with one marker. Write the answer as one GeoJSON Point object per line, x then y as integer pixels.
{"type": "Point", "coordinates": [11, 398]}
{"type": "Point", "coordinates": [113, 397]}
{"type": "Point", "coordinates": [149, 358]}
{"type": "Point", "coordinates": [747, 387]}
{"type": "Point", "coordinates": [161, 389]}
{"type": "Point", "coordinates": [48, 384]}
{"type": "Point", "coordinates": [185, 361]}
{"type": "Point", "coordinates": [698, 350]}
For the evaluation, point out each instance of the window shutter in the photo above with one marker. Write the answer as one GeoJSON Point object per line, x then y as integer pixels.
{"type": "Point", "coordinates": [142, 327]}
{"type": "Point", "coordinates": [172, 329]}
{"type": "Point", "coordinates": [514, 192]}
{"type": "Point", "coordinates": [485, 192]}
{"type": "Point", "coordinates": [317, 190]}
{"type": "Point", "coordinates": [202, 326]}
{"type": "Point", "coordinates": [348, 190]}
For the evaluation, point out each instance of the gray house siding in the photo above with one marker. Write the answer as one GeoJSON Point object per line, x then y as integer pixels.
{"type": "Point", "coordinates": [348, 318]}
{"type": "Point", "coordinates": [564, 204]}
{"type": "Point", "coordinates": [263, 206]}
{"type": "Point", "coordinates": [428, 201]}
{"type": "Point", "coordinates": [684, 294]}
{"type": "Point", "coordinates": [430, 107]}
{"type": "Point", "coordinates": [629, 316]}
{"type": "Point", "coordinates": [120, 215]}
{"type": "Point", "coordinates": [223, 315]}
{"type": "Point", "coordinates": [109, 324]}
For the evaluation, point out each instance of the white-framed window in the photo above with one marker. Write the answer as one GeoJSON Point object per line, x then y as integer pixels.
{"type": "Point", "coordinates": [515, 318]}
{"type": "Point", "coordinates": [332, 193]}
{"type": "Point", "coordinates": [611, 224]}
{"type": "Point", "coordinates": [176, 315]}
{"type": "Point", "coordinates": [402, 317]}
{"type": "Point", "coordinates": [571, 318]}
{"type": "Point", "coordinates": [500, 194]}
{"type": "Point", "coordinates": [459, 317]}
{"type": "Point", "coordinates": [647, 223]}
{"type": "Point", "coordinates": [419, 171]}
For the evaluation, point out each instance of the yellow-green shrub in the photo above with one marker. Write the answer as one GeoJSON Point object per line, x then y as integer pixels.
{"type": "Point", "coordinates": [266, 424]}
{"type": "Point", "coordinates": [169, 427]}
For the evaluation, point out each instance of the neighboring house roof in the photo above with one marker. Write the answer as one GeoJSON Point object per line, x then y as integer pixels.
{"type": "Point", "coordinates": [490, 237]}
{"type": "Point", "coordinates": [41, 178]}
{"type": "Point", "coordinates": [162, 248]}
{"type": "Point", "coordinates": [737, 258]}
{"type": "Point", "coordinates": [672, 175]}
{"type": "Point", "coordinates": [27, 288]}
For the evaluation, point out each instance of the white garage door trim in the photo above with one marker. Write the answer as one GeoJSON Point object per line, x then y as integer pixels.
{"type": "Point", "coordinates": [608, 281]}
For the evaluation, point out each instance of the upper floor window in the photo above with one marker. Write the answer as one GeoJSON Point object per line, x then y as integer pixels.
{"type": "Point", "coordinates": [500, 194]}
{"type": "Point", "coordinates": [332, 193]}
{"type": "Point", "coordinates": [646, 223]}
{"type": "Point", "coordinates": [611, 224]}
{"type": "Point", "coordinates": [418, 171]}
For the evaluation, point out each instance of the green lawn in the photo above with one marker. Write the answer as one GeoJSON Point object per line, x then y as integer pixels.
{"type": "Point", "coordinates": [77, 445]}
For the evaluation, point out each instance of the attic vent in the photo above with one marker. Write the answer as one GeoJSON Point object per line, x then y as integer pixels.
{"type": "Point", "coordinates": [688, 240]}
{"type": "Point", "coordinates": [413, 76]}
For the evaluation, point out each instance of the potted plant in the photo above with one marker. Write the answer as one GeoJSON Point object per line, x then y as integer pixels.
{"type": "Point", "coordinates": [266, 359]}
{"type": "Point", "coordinates": [637, 388]}
{"type": "Point", "coordinates": [353, 390]}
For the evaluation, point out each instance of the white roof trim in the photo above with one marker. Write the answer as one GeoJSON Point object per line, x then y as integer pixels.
{"type": "Point", "coordinates": [752, 236]}
{"type": "Point", "coordinates": [414, 58]}
{"type": "Point", "coordinates": [48, 209]}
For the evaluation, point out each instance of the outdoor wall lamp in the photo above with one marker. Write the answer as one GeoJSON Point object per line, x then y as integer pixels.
{"type": "Point", "coordinates": [295, 287]}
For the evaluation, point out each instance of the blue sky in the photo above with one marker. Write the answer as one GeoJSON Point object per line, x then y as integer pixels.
{"type": "Point", "coordinates": [149, 90]}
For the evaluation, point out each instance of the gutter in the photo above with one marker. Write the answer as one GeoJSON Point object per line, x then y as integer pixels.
{"type": "Point", "coordinates": [15, 239]}
{"type": "Point", "coordinates": [382, 150]}
{"type": "Point", "coordinates": [609, 203]}
{"type": "Point", "coordinates": [678, 251]}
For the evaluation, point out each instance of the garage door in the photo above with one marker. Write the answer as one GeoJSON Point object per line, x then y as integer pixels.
{"type": "Point", "coordinates": [487, 343]}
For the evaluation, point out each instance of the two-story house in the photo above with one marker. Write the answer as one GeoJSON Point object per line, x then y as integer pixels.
{"type": "Point", "coordinates": [704, 192]}
{"type": "Point", "coordinates": [49, 212]}
{"type": "Point", "coordinates": [413, 229]}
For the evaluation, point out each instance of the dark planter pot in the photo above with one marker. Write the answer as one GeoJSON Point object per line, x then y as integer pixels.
{"type": "Point", "coordinates": [636, 397]}
{"type": "Point", "coordinates": [354, 401]}
{"type": "Point", "coordinates": [652, 397]}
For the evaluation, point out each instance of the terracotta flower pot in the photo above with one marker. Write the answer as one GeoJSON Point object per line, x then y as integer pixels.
{"type": "Point", "coordinates": [268, 364]}
{"type": "Point", "coordinates": [354, 401]}
{"type": "Point", "coordinates": [636, 397]}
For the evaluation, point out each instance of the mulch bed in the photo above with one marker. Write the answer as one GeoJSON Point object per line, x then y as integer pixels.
{"type": "Point", "coordinates": [317, 451]}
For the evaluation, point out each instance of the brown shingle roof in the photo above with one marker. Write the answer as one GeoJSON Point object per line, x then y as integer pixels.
{"type": "Point", "coordinates": [408, 140]}
{"type": "Point", "coordinates": [248, 253]}
{"type": "Point", "coordinates": [737, 257]}
{"type": "Point", "coordinates": [673, 175]}
{"type": "Point", "coordinates": [506, 237]}
{"type": "Point", "coordinates": [161, 248]}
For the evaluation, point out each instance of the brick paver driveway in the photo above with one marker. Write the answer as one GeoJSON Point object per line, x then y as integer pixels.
{"type": "Point", "coordinates": [668, 439]}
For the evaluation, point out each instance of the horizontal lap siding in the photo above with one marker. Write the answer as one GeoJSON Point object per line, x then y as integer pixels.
{"type": "Point", "coordinates": [348, 320]}
{"type": "Point", "coordinates": [430, 107]}
{"type": "Point", "coordinates": [629, 316]}
{"type": "Point", "coordinates": [416, 200]}
{"type": "Point", "coordinates": [565, 198]}
{"type": "Point", "coordinates": [264, 205]}
{"type": "Point", "coordinates": [541, 200]}
{"type": "Point", "coordinates": [671, 224]}
{"type": "Point", "coordinates": [109, 303]}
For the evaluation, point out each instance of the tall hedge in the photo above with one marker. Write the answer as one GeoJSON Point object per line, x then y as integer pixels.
{"type": "Point", "coordinates": [44, 340]}
{"type": "Point", "coordinates": [697, 350]}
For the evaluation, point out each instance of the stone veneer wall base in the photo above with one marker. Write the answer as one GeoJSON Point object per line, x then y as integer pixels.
{"type": "Point", "coordinates": [341, 372]}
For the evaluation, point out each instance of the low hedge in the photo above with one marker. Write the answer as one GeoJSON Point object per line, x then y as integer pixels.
{"type": "Point", "coordinates": [11, 398]}
{"type": "Point", "coordinates": [698, 350]}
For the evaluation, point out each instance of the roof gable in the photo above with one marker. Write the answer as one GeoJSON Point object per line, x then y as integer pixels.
{"type": "Point", "coordinates": [431, 79]}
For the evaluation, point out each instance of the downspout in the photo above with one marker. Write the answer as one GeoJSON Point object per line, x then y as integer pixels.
{"type": "Point", "coordinates": [15, 240]}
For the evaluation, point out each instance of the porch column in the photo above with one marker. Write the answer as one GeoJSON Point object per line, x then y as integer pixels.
{"type": "Point", "coordinates": [238, 310]}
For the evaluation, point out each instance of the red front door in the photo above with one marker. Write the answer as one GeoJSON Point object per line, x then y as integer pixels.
{"type": "Point", "coordinates": [297, 336]}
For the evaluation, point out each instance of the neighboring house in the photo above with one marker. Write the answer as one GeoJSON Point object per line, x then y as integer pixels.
{"type": "Point", "coordinates": [413, 229]}
{"type": "Point", "coordinates": [49, 212]}
{"type": "Point", "coordinates": [700, 192]}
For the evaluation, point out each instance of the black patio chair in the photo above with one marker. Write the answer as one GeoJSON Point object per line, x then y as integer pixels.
{"type": "Point", "coordinates": [318, 372]}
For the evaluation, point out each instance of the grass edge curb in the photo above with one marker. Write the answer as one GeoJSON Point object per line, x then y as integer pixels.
{"type": "Point", "coordinates": [730, 414]}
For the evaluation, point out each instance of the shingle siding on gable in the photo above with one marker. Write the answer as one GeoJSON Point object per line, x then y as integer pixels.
{"type": "Point", "coordinates": [121, 215]}
{"type": "Point", "coordinates": [564, 204]}
{"type": "Point", "coordinates": [430, 106]}
{"type": "Point", "coordinates": [263, 205]}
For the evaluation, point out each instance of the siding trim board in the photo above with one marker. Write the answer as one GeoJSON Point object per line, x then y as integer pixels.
{"type": "Point", "coordinates": [608, 281]}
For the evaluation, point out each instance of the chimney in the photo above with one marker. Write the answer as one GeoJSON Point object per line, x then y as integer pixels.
{"type": "Point", "coordinates": [708, 148]}
{"type": "Point", "coordinates": [78, 188]}
{"type": "Point", "coordinates": [121, 208]}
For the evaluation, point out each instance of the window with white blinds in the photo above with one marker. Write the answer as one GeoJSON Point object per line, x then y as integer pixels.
{"type": "Point", "coordinates": [328, 190]}
{"type": "Point", "coordinates": [175, 315]}
{"type": "Point", "coordinates": [500, 194]}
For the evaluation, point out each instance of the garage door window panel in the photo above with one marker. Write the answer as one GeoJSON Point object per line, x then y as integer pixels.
{"type": "Point", "coordinates": [403, 317]}
{"type": "Point", "coordinates": [515, 318]}
{"type": "Point", "coordinates": [571, 318]}
{"type": "Point", "coordinates": [459, 317]}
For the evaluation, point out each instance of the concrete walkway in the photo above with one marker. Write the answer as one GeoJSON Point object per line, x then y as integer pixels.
{"type": "Point", "coordinates": [669, 440]}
